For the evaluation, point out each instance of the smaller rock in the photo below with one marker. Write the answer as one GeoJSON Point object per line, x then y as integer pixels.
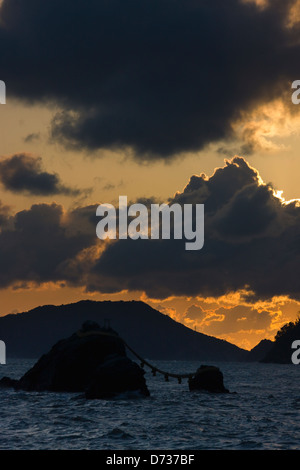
{"type": "Point", "coordinates": [208, 378]}
{"type": "Point", "coordinates": [7, 382]}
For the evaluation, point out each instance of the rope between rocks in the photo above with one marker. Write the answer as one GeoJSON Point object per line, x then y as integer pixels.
{"type": "Point", "coordinates": [157, 370]}
{"type": "Point", "coordinates": [153, 368]}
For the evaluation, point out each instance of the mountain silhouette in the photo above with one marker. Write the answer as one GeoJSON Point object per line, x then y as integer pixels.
{"type": "Point", "coordinates": [147, 331]}
{"type": "Point", "coordinates": [260, 350]}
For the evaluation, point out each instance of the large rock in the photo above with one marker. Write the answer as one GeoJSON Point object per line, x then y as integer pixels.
{"type": "Point", "coordinates": [208, 378]}
{"type": "Point", "coordinates": [92, 360]}
{"type": "Point", "coordinates": [115, 376]}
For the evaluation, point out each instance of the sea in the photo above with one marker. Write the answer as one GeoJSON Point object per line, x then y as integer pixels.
{"type": "Point", "coordinates": [261, 412]}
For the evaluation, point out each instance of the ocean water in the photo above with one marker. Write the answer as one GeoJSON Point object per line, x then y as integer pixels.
{"type": "Point", "coordinates": [261, 412]}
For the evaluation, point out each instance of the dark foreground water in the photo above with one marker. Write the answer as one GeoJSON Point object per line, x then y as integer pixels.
{"type": "Point", "coordinates": [262, 414]}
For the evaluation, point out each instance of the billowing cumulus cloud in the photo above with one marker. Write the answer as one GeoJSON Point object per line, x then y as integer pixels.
{"type": "Point", "coordinates": [39, 243]}
{"type": "Point", "coordinates": [251, 244]}
{"type": "Point", "coordinates": [158, 77]}
{"type": "Point", "coordinates": [23, 173]}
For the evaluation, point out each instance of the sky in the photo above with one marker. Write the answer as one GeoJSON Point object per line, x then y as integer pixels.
{"type": "Point", "coordinates": [163, 101]}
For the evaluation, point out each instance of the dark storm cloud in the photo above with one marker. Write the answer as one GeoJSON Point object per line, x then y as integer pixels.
{"type": "Point", "coordinates": [5, 212]}
{"type": "Point", "coordinates": [32, 137]}
{"type": "Point", "coordinates": [23, 173]}
{"type": "Point", "coordinates": [41, 242]}
{"type": "Point", "coordinates": [251, 242]}
{"type": "Point", "coordinates": [158, 76]}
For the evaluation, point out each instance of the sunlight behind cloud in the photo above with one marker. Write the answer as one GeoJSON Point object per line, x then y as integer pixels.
{"type": "Point", "coordinates": [265, 126]}
{"type": "Point", "coordinates": [259, 3]}
{"type": "Point", "coordinates": [294, 17]}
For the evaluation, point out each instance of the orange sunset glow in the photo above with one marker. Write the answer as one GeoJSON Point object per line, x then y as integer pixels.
{"type": "Point", "coordinates": [149, 228]}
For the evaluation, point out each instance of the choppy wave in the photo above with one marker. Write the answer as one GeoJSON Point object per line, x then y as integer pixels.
{"type": "Point", "coordinates": [263, 413]}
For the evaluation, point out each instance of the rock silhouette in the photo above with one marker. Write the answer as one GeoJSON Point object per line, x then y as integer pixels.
{"type": "Point", "coordinates": [93, 361]}
{"type": "Point", "coordinates": [208, 378]}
